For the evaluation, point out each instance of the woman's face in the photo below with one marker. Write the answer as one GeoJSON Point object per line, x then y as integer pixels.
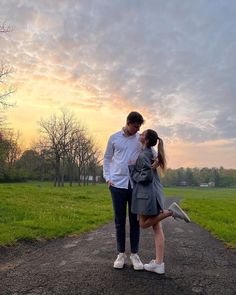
{"type": "Point", "coordinates": [142, 137]}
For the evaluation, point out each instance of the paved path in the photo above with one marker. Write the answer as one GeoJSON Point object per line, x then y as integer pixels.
{"type": "Point", "coordinates": [196, 263]}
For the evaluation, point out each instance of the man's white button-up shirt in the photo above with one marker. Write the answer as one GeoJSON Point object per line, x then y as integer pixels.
{"type": "Point", "coordinates": [121, 150]}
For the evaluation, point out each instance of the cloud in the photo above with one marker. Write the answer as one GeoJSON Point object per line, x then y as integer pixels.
{"type": "Point", "coordinates": [174, 60]}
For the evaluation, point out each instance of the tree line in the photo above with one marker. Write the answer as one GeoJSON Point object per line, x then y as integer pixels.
{"type": "Point", "coordinates": [212, 177]}
{"type": "Point", "coordinates": [66, 153]}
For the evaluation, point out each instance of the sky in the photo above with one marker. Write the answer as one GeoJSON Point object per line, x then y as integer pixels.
{"type": "Point", "coordinates": [173, 61]}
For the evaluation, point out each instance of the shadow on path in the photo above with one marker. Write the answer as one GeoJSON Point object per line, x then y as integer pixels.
{"type": "Point", "coordinates": [196, 263]}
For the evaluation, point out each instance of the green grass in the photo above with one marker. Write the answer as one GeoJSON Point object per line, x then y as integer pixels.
{"type": "Point", "coordinates": [34, 211]}
{"type": "Point", "coordinates": [213, 208]}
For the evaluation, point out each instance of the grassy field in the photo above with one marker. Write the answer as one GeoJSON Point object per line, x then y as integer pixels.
{"type": "Point", "coordinates": [30, 211]}
{"type": "Point", "coordinates": [213, 208]}
{"type": "Point", "coordinates": [34, 211]}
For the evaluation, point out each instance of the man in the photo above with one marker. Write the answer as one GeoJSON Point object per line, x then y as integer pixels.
{"type": "Point", "coordinates": [123, 148]}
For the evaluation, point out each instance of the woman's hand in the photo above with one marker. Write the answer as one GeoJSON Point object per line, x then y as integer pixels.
{"type": "Point", "coordinates": [155, 164]}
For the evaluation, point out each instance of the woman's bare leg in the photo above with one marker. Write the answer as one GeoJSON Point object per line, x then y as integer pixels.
{"type": "Point", "coordinates": [147, 221]}
{"type": "Point", "coordinates": [159, 242]}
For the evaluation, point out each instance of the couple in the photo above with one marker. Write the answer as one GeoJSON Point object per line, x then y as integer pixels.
{"type": "Point", "coordinates": [130, 164]}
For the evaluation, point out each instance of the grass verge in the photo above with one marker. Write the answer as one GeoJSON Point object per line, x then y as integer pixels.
{"type": "Point", "coordinates": [33, 211]}
{"type": "Point", "coordinates": [213, 208]}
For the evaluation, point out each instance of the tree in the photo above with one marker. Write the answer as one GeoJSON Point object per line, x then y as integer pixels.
{"type": "Point", "coordinates": [3, 154]}
{"type": "Point", "coordinates": [205, 175]}
{"type": "Point", "coordinates": [90, 160]}
{"type": "Point", "coordinates": [189, 176]}
{"type": "Point", "coordinates": [93, 165]}
{"type": "Point", "coordinates": [57, 132]}
{"type": "Point", "coordinates": [170, 178]}
{"type": "Point", "coordinates": [29, 164]}
{"type": "Point", "coordinates": [180, 176]}
{"type": "Point", "coordinates": [72, 151]}
{"type": "Point", "coordinates": [84, 154]}
{"type": "Point", "coordinates": [215, 176]}
{"type": "Point", "coordinates": [14, 150]}
{"type": "Point", "coordinates": [5, 70]}
{"type": "Point", "coordinates": [9, 154]}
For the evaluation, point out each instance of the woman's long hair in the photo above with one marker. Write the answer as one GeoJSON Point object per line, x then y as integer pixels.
{"type": "Point", "coordinates": [161, 155]}
{"type": "Point", "coordinates": [152, 138]}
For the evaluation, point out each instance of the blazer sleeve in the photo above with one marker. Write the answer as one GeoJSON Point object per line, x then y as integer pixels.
{"type": "Point", "coordinates": [144, 174]}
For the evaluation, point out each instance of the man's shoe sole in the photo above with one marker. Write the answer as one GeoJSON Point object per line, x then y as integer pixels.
{"type": "Point", "coordinates": [137, 268]}
{"type": "Point", "coordinates": [118, 267]}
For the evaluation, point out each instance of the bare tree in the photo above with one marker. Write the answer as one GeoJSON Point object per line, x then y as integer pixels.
{"type": "Point", "coordinates": [94, 162]}
{"type": "Point", "coordinates": [84, 153]}
{"type": "Point", "coordinates": [5, 70]}
{"type": "Point", "coordinates": [46, 163]}
{"type": "Point", "coordinates": [73, 152]}
{"type": "Point", "coordinates": [57, 135]}
{"type": "Point", "coordinates": [5, 90]}
{"type": "Point", "coordinates": [13, 151]}
{"type": "Point", "coordinates": [9, 153]}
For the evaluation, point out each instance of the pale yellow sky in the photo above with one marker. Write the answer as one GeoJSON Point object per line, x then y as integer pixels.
{"type": "Point", "coordinates": [102, 122]}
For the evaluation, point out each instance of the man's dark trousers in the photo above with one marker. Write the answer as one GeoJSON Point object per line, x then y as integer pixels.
{"type": "Point", "coordinates": [120, 198]}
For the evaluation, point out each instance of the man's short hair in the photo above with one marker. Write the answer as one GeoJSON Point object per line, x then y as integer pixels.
{"type": "Point", "coordinates": [135, 117]}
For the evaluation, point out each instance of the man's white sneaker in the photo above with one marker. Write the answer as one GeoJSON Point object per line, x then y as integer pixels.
{"type": "Point", "coordinates": [136, 262]}
{"type": "Point", "coordinates": [177, 212]}
{"type": "Point", "coordinates": [120, 261]}
{"type": "Point", "coordinates": [155, 267]}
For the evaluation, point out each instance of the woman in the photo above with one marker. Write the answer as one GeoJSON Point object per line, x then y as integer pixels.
{"type": "Point", "coordinates": [148, 198]}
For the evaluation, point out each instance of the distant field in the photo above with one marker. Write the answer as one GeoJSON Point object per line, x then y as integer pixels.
{"type": "Point", "coordinates": [34, 211]}
{"type": "Point", "coordinates": [213, 208]}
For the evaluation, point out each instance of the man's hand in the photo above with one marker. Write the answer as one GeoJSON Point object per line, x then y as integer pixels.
{"type": "Point", "coordinates": [110, 183]}
{"type": "Point", "coordinates": [155, 164]}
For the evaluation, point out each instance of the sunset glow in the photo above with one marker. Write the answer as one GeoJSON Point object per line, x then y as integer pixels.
{"type": "Point", "coordinates": [103, 59]}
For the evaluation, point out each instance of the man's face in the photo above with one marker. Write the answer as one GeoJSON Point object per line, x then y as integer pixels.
{"type": "Point", "coordinates": [133, 128]}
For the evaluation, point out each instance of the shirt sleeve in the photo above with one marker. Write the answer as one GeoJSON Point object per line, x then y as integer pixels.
{"type": "Point", "coordinates": [107, 159]}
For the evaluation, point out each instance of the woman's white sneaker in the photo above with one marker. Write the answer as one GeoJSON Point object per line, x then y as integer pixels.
{"type": "Point", "coordinates": [177, 212]}
{"type": "Point", "coordinates": [155, 267]}
{"type": "Point", "coordinates": [120, 261]}
{"type": "Point", "coordinates": [136, 262]}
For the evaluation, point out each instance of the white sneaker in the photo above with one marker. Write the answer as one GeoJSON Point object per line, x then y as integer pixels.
{"type": "Point", "coordinates": [136, 262]}
{"type": "Point", "coordinates": [155, 267]}
{"type": "Point", "coordinates": [177, 212]}
{"type": "Point", "coordinates": [120, 261]}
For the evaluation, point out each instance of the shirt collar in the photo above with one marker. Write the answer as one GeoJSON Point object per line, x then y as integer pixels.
{"type": "Point", "coordinates": [123, 132]}
{"type": "Point", "coordinates": [125, 135]}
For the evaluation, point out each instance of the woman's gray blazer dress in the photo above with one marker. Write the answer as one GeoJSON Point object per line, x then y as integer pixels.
{"type": "Point", "coordinates": [147, 196]}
